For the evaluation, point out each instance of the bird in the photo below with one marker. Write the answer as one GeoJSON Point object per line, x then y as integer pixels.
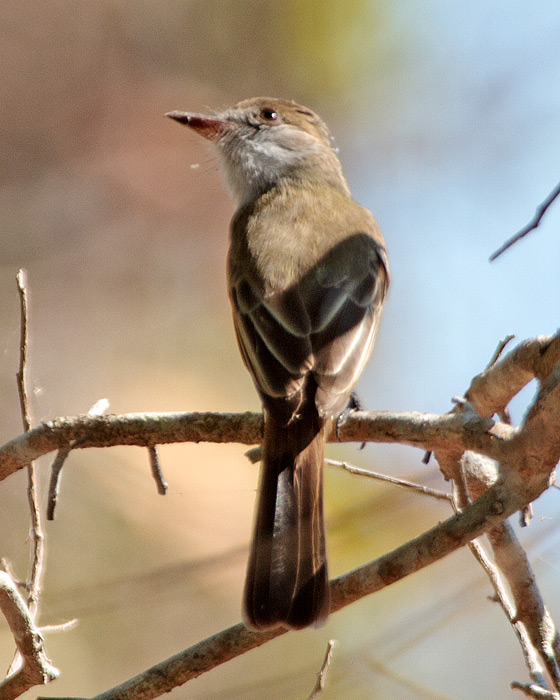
{"type": "Point", "coordinates": [308, 274]}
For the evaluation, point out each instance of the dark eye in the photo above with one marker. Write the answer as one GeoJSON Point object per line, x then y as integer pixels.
{"type": "Point", "coordinates": [269, 114]}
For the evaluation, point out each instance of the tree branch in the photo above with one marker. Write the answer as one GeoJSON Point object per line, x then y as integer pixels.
{"type": "Point", "coordinates": [38, 539]}
{"type": "Point", "coordinates": [527, 456]}
{"type": "Point", "coordinates": [426, 431]}
{"type": "Point", "coordinates": [402, 483]}
{"type": "Point", "coordinates": [36, 668]}
{"type": "Point", "coordinates": [535, 221]}
{"type": "Point", "coordinates": [495, 505]}
{"type": "Point", "coordinates": [322, 675]}
{"type": "Point", "coordinates": [489, 392]}
{"type": "Point", "coordinates": [535, 691]}
{"type": "Point", "coordinates": [525, 609]}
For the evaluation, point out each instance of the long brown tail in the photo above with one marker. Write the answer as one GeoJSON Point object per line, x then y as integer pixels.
{"type": "Point", "coordinates": [287, 578]}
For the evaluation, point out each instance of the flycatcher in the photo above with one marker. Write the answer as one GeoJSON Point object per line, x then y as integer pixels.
{"type": "Point", "coordinates": [307, 274]}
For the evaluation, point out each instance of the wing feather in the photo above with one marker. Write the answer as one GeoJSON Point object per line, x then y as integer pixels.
{"type": "Point", "coordinates": [321, 328]}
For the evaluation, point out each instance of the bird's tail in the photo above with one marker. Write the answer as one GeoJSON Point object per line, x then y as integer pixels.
{"type": "Point", "coordinates": [287, 578]}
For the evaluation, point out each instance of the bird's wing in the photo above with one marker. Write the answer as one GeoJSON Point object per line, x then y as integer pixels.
{"type": "Point", "coordinates": [352, 282]}
{"type": "Point", "coordinates": [322, 326]}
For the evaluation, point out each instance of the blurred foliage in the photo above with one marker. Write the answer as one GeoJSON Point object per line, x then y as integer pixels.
{"type": "Point", "coordinates": [329, 45]}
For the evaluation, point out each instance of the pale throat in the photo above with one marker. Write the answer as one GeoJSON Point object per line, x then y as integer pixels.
{"type": "Point", "coordinates": [253, 167]}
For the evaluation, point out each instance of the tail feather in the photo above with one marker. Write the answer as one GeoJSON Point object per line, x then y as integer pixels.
{"type": "Point", "coordinates": [287, 578]}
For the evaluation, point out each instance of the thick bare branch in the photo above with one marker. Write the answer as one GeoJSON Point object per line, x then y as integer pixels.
{"type": "Point", "coordinates": [495, 505]}
{"type": "Point", "coordinates": [497, 580]}
{"type": "Point", "coordinates": [531, 454]}
{"type": "Point", "coordinates": [489, 392]}
{"type": "Point", "coordinates": [521, 600]}
{"type": "Point", "coordinates": [141, 429]}
{"type": "Point", "coordinates": [525, 472]}
{"type": "Point", "coordinates": [492, 390]}
{"type": "Point", "coordinates": [530, 609]}
{"type": "Point", "coordinates": [426, 431]}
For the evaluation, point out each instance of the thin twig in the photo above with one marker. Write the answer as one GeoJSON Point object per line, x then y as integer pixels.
{"type": "Point", "coordinates": [499, 350]}
{"type": "Point", "coordinates": [6, 565]}
{"type": "Point", "coordinates": [535, 221]}
{"type": "Point", "coordinates": [98, 409]}
{"type": "Point", "coordinates": [54, 483]}
{"type": "Point", "coordinates": [403, 483]}
{"type": "Point", "coordinates": [526, 515]}
{"type": "Point", "coordinates": [322, 675]}
{"type": "Point", "coordinates": [23, 343]}
{"type": "Point", "coordinates": [505, 416]}
{"type": "Point", "coordinates": [33, 585]}
{"type": "Point", "coordinates": [61, 627]}
{"type": "Point", "coordinates": [156, 470]}
{"type": "Point", "coordinates": [35, 579]}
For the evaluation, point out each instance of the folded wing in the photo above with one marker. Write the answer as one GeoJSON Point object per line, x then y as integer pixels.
{"type": "Point", "coordinates": [319, 331]}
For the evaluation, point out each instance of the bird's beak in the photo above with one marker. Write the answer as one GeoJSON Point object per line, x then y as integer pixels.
{"type": "Point", "coordinates": [210, 128]}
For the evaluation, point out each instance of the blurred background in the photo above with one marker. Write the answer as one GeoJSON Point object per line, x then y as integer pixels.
{"type": "Point", "coordinates": [446, 116]}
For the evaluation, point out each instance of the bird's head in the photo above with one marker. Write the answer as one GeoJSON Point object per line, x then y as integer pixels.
{"type": "Point", "coordinates": [265, 141]}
